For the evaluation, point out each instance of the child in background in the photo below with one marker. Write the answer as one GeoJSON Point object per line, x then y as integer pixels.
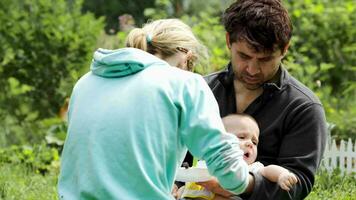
{"type": "Point", "coordinates": [246, 129]}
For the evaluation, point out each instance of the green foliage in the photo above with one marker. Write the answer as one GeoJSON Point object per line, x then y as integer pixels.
{"type": "Point", "coordinates": [14, 132]}
{"type": "Point", "coordinates": [56, 132]}
{"type": "Point", "coordinates": [208, 29]}
{"type": "Point", "coordinates": [107, 41]}
{"type": "Point", "coordinates": [326, 44]}
{"type": "Point", "coordinates": [51, 130]}
{"type": "Point", "coordinates": [162, 9]}
{"type": "Point", "coordinates": [113, 9]}
{"type": "Point", "coordinates": [179, 8]}
{"type": "Point", "coordinates": [39, 159]}
{"type": "Point", "coordinates": [344, 120]}
{"type": "Point", "coordinates": [43, 45]}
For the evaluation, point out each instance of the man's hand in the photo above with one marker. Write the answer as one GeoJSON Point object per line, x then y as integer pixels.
{"type": "Point", "coordinates": [286, 180]}
{"type": "Point", "coordinates": [214, 186]}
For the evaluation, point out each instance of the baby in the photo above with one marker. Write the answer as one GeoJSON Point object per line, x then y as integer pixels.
{"type": "Point", "coordinates": [246, 129]}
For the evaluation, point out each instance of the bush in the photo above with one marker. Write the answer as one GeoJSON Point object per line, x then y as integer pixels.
{"type": "Point", "coordinates": [43, 47]}
{"type": "Point", "coordinates": [39, 159]}
{"type": "Point", "coordinates": [324, 45]}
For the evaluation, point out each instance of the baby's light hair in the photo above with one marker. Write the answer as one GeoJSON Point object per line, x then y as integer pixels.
{"type": "Point", "coordinates": [164, 37]}
{"type": "Point", "coordinates": [230, 120]}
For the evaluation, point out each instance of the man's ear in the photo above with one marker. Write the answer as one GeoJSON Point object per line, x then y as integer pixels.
{"type": "Point", "coordinates": [285, 50]}
{"type": "Point", "coordinates": [228, 40]}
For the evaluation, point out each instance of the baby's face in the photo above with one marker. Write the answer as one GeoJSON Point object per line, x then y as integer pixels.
{"type": "Point", "coordinates": [248, 144]}
{"type": "Point", "coordinates": [247, 131]}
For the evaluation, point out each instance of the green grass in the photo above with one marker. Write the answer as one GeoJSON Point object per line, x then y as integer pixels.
{"type": "Point", "coordinates": [334, 186]}
{"type": "Point", "coordinates": [19, 182]}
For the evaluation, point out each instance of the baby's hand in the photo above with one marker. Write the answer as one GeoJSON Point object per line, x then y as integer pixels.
{"type": "Point", "coordinates": [286, 180]}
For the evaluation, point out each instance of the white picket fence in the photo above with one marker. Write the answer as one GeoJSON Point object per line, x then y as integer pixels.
{"type": "Point", "coordinates": [342, 157]}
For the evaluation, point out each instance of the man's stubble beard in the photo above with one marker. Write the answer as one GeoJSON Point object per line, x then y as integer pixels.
{"type": "Point", "coordinates": [251, 87]}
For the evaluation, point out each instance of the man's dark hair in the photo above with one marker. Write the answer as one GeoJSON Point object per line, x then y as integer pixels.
{"type": "Point", "coordinates": [264, 24]}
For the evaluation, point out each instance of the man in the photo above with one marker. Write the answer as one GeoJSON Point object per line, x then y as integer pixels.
{"type": "Point", "coordinates": [290, 116]}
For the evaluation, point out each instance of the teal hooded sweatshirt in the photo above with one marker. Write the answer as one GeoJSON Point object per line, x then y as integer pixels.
{"type": "Point", "coordinates": [131, 120]}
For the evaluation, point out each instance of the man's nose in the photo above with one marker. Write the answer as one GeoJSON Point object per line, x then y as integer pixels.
{"type": "Point", "coordinates": [253, 68]}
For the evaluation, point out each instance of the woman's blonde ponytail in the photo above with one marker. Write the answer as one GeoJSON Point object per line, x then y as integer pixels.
{"type": "Point", "coordinates": [137, 39]}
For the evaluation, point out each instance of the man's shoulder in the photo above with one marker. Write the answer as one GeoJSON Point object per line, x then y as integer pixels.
{"type": "Point", "coordinates": [302, 91]}
{"type": "Point", "coordinates": [217, 78]}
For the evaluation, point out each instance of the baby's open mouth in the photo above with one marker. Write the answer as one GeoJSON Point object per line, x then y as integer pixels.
{"type": "Point", "coordinates": [247, 155]}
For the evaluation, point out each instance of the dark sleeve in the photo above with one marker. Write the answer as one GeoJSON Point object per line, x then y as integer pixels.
{"type": "Point", "coordinates": [300, 152]}
{"type": "Point", "coordinates": [267, 190]}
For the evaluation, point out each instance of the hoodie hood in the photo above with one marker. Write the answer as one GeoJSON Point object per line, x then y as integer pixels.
{"type": "Point", "coordinates": [122, 62]}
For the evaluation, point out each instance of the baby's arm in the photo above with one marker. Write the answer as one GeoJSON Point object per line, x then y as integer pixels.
{"type": "Point", "coordinates": [282, 176]}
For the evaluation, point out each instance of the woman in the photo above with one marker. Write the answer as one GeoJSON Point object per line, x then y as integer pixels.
{"type": "Point", "coordinates": [133, 116]}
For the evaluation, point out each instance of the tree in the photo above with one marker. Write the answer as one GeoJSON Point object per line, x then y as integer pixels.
{"type": "Point", "coordinates": [43, 45]}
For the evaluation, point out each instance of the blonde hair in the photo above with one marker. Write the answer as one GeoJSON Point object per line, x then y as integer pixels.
{"type": "Point", "coordinates": [164, 36]}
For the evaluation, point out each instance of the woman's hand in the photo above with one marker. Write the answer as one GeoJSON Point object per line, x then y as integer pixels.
{"type": "Point", "coordinates": [214, 186]}
{"type": "Point", "coordinates": [175, 191]}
